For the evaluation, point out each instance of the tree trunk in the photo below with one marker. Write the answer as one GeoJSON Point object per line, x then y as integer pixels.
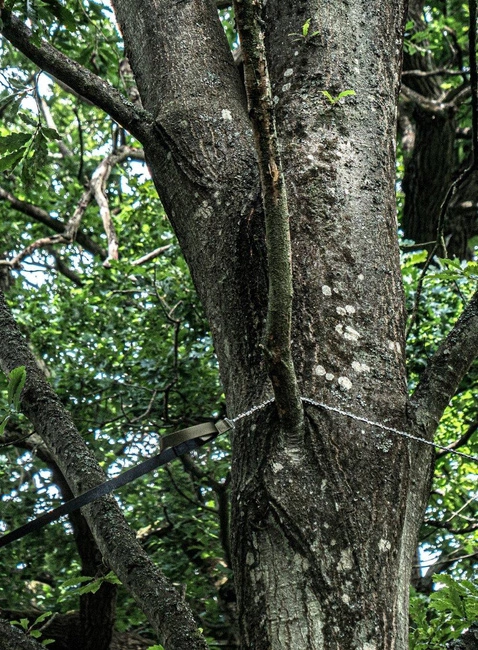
{"type": "Point", "coordinates": [323, 539]}
{"type": "Point", "coordinates": [323, 532]}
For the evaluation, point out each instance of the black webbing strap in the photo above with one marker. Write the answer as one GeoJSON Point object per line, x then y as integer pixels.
{"type": "Point", "coordinates": [172, 446]}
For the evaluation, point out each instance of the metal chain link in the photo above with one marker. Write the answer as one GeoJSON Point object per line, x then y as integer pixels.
{"type": "Point", "coordinates": [398, 432]}
{"type": "Point", "coordinates": [252, 410]}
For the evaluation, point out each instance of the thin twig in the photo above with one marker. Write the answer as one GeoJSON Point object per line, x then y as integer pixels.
{"type": "Point", "coordinates": [461, 441]}
{"type": "Point", "coordinates": [63, 268]}
{"type": "Point", "coordinates": [449, 527]}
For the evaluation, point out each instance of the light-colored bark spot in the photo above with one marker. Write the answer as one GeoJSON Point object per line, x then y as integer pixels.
{"type": "Point", "coordinates": [320, 371]}
{"type": "Point", "coordinates": [360, 367]}
{"type": "Point", "coordinates": [329, 376]}
{"type": "Point", "coordinates": [277, 467]}
{"type": "Point", "coordinates": [339, 329]}
{"type": "Point", "coordinates": [350, 309]}
{"type": "Point", "coordinates": [326, 290]}
{"type": "Point", "coordinates": [369, 646]}
{"type": "Point", "coordinates": [345, 383]}
{"type": "Point", "coordinates": [345, 599]}
{"type": "Point", "coordinates": [360, 277]}
{"type": "Point", "coordinates": [310, 157]}
{"type": "Point", "coordinates": [384, 545]}
{"type": "Point", "coordinates": [289, 72]}
{"type": "Point", "coordinates": [340, 311]}
{"type": "Point", "coordinates": [345, 562]}
{"type": "Point", "coordinates": [395, 346]}
{"type": "Point", "coordinates": [226, 114]}
{"type": "Point", "coordinates": [285, 88]}
{"type": "Point", "coordinates": [350, 334]}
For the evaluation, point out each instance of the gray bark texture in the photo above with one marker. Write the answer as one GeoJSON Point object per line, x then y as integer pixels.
{"type": "Point", "coordinates": [323, 530]}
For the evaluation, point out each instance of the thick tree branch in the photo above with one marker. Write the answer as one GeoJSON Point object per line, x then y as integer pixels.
{"type": "Point", "coordinates": [433, 106]}
{"type": "Point", "coordinates": [445, 370]}
{"type": "Point", "coordinates": [274, 196]}
{"type": "Point", "coordinates": [165, 609]}
{"type": "Point", "coordinates": [79, 78]}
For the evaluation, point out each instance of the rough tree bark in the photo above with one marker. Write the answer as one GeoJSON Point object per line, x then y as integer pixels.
{"type": "Point", "coordinates": [324, 531]}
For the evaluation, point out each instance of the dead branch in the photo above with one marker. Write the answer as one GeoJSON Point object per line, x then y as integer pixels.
{"type": "Point", "coordinates": [31, 248]}
{"type": "Point", "coordinates": [151, 256]}
{"type": "Point", "coordinates": [57, 225]}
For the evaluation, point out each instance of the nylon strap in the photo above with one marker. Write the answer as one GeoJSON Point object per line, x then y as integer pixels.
{"type": "Point", "coordinates": [172, 446]}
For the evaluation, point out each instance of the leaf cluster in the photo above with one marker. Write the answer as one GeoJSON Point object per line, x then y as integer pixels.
{"type": "Point", "coordinates": [444, 615]}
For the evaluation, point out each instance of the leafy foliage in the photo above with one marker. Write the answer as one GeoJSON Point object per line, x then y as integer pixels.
{"type": "Point", "coordinates": [444, 615]}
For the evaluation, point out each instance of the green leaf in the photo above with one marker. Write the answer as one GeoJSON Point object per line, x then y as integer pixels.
{"type": "Point", "coordinates": [3, 424]}
{"type": "Point", "coordinates": [305, 28]}
{"type": "Point", "coordinates": [328, 96]}
{"type": "Point", "coordinates": [11, 160]}
{"type": "Point", "coordinates": [51, 134]}
{"type": "Point", "coordinates": [16, 382]}
{"type": "Point", "coordinates": [63, 14]}
{"type": "Point", "coordinates": [76, 580]}
{"type": "Point", "coordinates": [346, 93]}
{"type": "Point", "coordinates": [28, 119]}
{"type": "Point", "coordinates": [112, 578]}
{"type": "Point", "coordinates": [14, 142]}
{"type": "Point", "coordinates": [48, 641]}
{"type": "Point", "coordinates": [90, 588]}
{"type": "Point", "coordinates": [417, 258]}
{"type": "Point", "coordinates": [35, 634]}
{"type": "Point", "coordinates": [42, 617]}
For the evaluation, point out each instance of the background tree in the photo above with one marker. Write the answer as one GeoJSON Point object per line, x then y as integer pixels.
{"type": "Point", "coordinates": [327, 509]}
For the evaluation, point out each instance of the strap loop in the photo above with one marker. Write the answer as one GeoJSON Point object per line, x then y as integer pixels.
{"type": "Point", "coordinates": [173, 445]}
